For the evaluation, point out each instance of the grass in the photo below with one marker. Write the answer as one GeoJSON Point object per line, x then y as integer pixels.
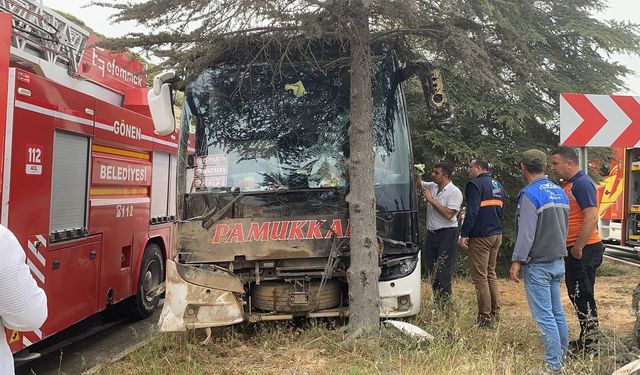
{"type": "Point", "coordinates": [319, 347]}
{"type": "Point", "coordinates": [610, 269]}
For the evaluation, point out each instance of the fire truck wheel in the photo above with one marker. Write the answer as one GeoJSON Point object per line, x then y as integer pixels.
{"type": "Point", "coordinates": [151, 275]}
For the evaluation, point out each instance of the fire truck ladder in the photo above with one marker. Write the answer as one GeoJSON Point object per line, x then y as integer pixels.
{"type": "Point", "coordinates": [40, 33]}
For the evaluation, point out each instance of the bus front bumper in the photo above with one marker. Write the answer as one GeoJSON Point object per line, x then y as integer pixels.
{"type": "Point", "coordinates": [208, 300]}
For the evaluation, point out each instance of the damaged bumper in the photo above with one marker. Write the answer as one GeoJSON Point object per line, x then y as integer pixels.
{"type": "Point", "coordinates": [201, 298]}
{"type": "Point", "coordinates": [197, 298]}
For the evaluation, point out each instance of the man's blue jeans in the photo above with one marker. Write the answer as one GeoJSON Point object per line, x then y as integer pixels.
{"type": "Point", "coordinates": [542, 286]}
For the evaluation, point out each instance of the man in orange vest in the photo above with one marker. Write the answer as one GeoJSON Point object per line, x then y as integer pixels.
{"type": "Point", "coordinates": [481, 235]}
{"type": "Point", "coordinates": [584, 245]}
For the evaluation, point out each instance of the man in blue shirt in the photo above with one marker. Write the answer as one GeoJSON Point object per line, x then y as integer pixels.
{"type": "Point", "coordinates": [541, 232]}
{"type": "Point", "coordinates": [481, 235]}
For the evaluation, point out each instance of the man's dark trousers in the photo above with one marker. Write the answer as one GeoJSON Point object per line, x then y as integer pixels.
{"type": "Point", "coordinates": [580, 278]}
{"type": "Point", "coordinates": [438, 255]}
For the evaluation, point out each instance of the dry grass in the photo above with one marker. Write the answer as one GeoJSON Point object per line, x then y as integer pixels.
{"type": "Point", "coordinates": [319, 347]}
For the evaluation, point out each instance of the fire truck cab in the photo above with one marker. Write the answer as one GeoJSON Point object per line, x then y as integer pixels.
{"type": "Point", "coordinates": [86, 182]}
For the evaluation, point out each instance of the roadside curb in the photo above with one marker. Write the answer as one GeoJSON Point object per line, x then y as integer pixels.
{"type": "Point", "coordinates": [120, 355]}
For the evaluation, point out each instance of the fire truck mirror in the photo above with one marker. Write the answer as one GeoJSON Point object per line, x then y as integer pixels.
{"type": "Point", "coordinates": [159, 98]}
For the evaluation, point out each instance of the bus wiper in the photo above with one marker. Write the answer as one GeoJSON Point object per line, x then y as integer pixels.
{"type": "Point", "coordinates": [395, 243]}
{"type": "Point", "coordinates": [214, 215]}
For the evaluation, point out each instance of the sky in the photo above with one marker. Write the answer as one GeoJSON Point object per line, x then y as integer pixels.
{"type": "Point", "coordinates": [628, 10]}
{"type": "Point", "coordinates": [97, 18]}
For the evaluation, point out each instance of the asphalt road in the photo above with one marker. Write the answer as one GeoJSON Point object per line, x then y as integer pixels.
{"type": "Point", "coordinates": [103, 347]}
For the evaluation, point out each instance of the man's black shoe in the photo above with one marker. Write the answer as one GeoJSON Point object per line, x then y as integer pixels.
{"type": "Point", "coordinates": [575, 346]}
{"type": "Point", "coordinates": [484, 323]}
{"type": "Point", "coordinates": [583, 346]}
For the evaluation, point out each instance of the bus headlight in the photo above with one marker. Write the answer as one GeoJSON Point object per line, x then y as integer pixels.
{"type": "Point", "coordinates": [396, 267]}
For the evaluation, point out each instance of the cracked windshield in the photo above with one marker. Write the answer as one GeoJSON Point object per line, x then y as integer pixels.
{"type": "Point", "coordinates": [264, 128]}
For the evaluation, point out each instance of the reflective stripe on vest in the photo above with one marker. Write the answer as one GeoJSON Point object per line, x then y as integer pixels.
{"type": "Point", "coordinates": [491, 202]}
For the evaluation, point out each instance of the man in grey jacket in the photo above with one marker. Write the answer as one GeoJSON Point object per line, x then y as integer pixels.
{"type": "Point", "coordinates": [23, 305]}
{"type": "Point", "coordinates": [541, 232]}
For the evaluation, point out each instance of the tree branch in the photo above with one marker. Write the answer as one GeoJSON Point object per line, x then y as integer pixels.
{"type": "Point", "coordinates": [389, 33]}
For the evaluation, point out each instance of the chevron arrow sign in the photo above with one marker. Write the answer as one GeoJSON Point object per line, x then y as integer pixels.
{"type": "Point", "coordinates": [599, 120]}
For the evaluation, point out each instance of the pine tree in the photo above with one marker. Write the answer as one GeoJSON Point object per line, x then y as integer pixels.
{"type": "Point", "coordinates": [507, 61]}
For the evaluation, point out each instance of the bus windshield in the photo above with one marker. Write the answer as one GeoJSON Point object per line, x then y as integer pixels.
{"type": "Point", "coordinates": [264, 128]}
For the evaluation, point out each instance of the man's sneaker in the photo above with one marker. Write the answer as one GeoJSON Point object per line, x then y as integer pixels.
{"type": "Point", "coordinates": [484, 323]}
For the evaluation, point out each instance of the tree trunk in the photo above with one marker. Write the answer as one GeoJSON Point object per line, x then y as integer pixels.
{"type": "Point", "coordinates": [364, 272]}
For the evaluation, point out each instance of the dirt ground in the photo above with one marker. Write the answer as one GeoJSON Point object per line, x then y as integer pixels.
{"type": "Point", "coordinates": [614, 287]}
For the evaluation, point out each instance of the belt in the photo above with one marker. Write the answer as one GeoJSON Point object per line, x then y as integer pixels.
{"type": "Point", "coordinates": [441, 229]}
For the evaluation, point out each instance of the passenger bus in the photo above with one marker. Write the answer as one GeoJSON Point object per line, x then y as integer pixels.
{"type": "Point", "coordinates": [262, 228]}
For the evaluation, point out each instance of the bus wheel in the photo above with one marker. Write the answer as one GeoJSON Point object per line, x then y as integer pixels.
{"type": "Point", "coordinates": [151, 275]}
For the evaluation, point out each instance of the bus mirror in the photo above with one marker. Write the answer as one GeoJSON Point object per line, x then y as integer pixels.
{"type": "Point", "coordinates": [160, 106]}
{"type": "Point", "coordinates": [436, 96]}
{"type": "Point", "coordinates": [433, 86]}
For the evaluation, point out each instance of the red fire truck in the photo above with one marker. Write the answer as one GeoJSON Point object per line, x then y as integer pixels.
{"type": "Point", "coordinates": [86, 183]}
{"type": "Point", "coordinates": [631, 220]}
{"type": "Point", "coordinates": [610, 197]}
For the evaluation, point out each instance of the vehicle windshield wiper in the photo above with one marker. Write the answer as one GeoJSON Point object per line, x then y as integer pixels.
{"type": "Point", "coordinates": [215, 214]}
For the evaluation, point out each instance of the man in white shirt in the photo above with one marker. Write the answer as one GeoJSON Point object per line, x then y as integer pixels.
{"type": "Point", "coordinates": [444, 200]}
{"type": "Point", "coordinates": [23, 305]}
